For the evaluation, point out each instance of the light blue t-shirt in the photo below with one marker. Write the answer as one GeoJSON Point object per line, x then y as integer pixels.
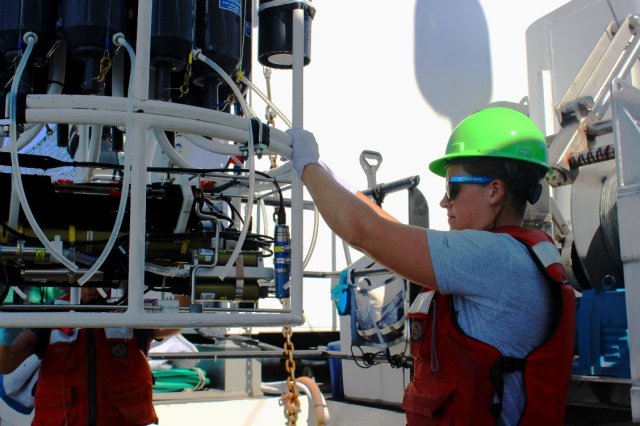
{"type": "Point", "coordinates": [500, 295]}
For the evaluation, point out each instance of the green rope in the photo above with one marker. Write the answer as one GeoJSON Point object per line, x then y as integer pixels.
{"type": "Point", "coordinates": [179, 379]}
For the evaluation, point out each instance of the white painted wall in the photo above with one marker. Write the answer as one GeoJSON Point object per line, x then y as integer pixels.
{"type": "Point", "coordinates": [395, 77]}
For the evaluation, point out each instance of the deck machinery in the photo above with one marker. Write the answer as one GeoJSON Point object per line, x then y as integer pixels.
{"type": "Point", "coordinates": [583, 93]}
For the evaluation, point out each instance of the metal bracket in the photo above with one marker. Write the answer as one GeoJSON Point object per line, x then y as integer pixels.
{"type": "Point", "coordinates": [261, 139]}
{"type": "Point", "coordinates": [588, 98]}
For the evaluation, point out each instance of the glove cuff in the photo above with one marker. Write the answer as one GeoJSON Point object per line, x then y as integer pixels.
{"type": "Point", "coordinates": [343, 182]}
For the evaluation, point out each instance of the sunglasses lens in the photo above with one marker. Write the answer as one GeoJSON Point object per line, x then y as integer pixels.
{"type": "Point", "coordinates": [453, 188]}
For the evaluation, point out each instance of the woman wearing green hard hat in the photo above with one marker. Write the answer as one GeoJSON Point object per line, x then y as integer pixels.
{"type": "Point", "coordinates": [497, 143]}
{"type": "Point", "coordinates": [492, 333]}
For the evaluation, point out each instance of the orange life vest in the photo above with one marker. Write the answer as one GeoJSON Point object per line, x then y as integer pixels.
{"type": "Point", "coordinates": [94, 377]}
{"type": "Point", "coordinates": [456, 377]}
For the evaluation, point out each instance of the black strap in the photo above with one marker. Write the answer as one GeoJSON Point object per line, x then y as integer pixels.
{"type": "Point", "coordinates": [255, 130]}
{"type": "Point", "coordinates": [21, 108]}
{"type": "Point", "coordinates": [265, 135]}
{"type": "Point", "coordinates": [504, 365]}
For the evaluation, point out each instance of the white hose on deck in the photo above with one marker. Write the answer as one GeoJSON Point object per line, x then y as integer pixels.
{"type": "Point", "coordinates": [309, 387]}
{"type": "Point", "coordinates": [319, 403]}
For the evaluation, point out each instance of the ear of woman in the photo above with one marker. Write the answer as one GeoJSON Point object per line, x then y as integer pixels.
{"type": "Point", "coordinates": [497, 191]}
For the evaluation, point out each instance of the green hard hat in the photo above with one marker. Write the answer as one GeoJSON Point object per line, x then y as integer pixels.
{"type": "Point", "coordinates": [495, 132]}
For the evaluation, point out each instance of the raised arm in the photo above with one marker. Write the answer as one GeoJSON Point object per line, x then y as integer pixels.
{"type": "Point", "coordinates": [401, 248]}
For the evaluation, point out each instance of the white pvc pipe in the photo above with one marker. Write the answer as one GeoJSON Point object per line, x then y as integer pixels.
{"type": "Point", "coordinates": [178, 124]}
{"type": "Point", "coordinates": [298, 69]}
{"type": "Point", "coordinates": [76, 116]}
{"type": "Point", "coordinates": [296, 184]}
{"type": "Point", "coordinates": [137, 134]}
{"type": "Point", "coordinates": [119, 118]}
{"type": "Point", "coordinates": [280, 149]}
{"type": "Point", "coordinates": [147, 106]}
{"type": "Point", "coordinates": [229, 127]}
{"type": "Point", "coordinates": [214, 145]}
{"type": "Point", "coordinates": [95, 143]}
{"type": "Point", "coordinates": [107, 103]}
{"type": "Point", "coordinates": [75, 296]}
{"type": "Point", "coordinates": [140, 319]}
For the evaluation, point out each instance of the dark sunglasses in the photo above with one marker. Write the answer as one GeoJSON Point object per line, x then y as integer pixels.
{"type": "Point", "coordinates": [454, 182]}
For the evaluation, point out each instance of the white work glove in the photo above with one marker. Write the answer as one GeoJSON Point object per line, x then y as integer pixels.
{"type": "Point", "coordinates": [305, 149]}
